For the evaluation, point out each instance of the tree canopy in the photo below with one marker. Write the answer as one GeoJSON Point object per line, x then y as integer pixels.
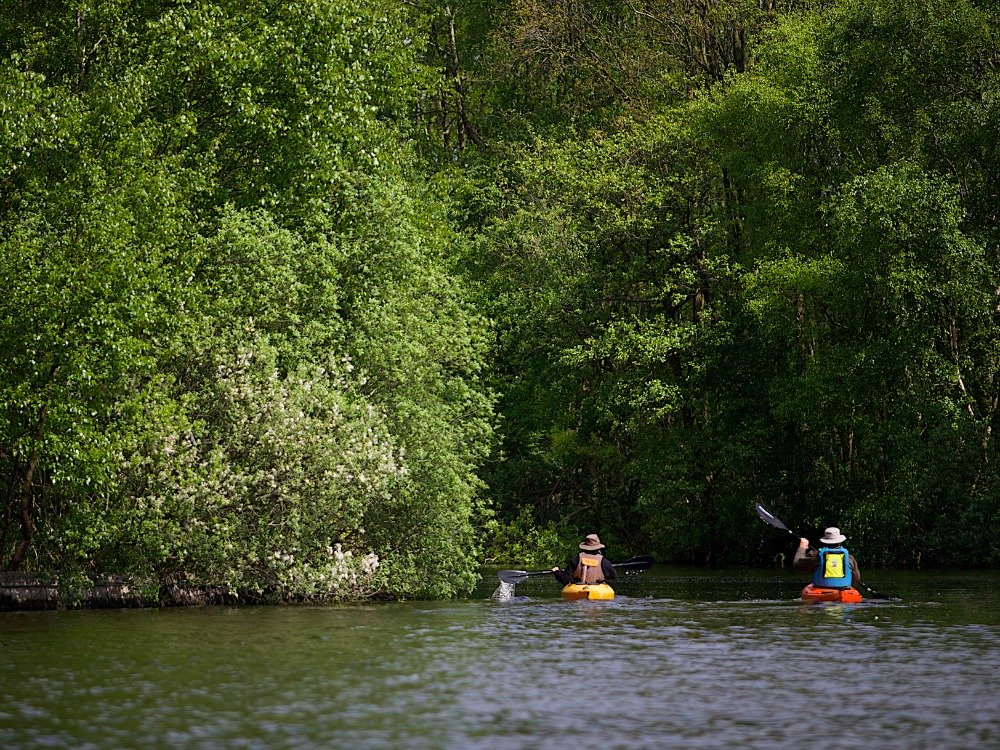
{"type": "Point", "coordinates": [340, 298]}
{"type": "Point", "coordinates": [233, 350]}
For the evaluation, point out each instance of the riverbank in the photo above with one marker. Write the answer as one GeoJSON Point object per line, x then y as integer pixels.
{"type": "Point", "coordinates": [27, 592]}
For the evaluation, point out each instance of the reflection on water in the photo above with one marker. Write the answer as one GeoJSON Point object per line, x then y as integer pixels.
{"type": "Point", "coordinates": [681, 659]}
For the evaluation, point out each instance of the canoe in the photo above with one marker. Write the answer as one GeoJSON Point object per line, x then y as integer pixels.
{"type": "Point", "coordinates": [821, 594]}
{"type": "Point", "coordinates": [595, 591]}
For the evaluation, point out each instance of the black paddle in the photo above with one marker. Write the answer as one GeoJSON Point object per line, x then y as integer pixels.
{"type": "Point", "coordinates": [773, 521]}
{"type": "Point", "coordinates": [632, 565]}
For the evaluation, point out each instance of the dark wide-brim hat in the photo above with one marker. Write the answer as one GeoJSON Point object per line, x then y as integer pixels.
{"type": "Point", "coordinates": [592, 543]}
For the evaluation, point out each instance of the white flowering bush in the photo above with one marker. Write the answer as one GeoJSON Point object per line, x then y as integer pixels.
{"type": "Point", "coordinates": [267, 488]}
{"type": "Point", "coordinates": [338, 574]}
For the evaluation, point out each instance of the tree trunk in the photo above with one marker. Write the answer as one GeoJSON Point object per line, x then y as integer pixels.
{"type": "Point", "coordinates": [26, 508]}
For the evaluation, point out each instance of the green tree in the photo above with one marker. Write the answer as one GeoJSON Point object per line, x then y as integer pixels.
{"type": "Point", "coordinates": [232, 340]}
{"type": "Point", "coordinates": [781, 291]}
{"type": "Point", "coordinates": [93, 218]}
{"type": "Point", "coordinates": [859, 201]}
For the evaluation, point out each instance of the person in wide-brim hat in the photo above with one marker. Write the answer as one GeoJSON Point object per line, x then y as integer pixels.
{"type": "Point", "coordinates": [807, 559]}
{"type": "Point", "coordinates": [592, 543]}
{"type": "Point", "coordinates": [589, 565]}
{"type": "Point", "coordinates": [832, 536]}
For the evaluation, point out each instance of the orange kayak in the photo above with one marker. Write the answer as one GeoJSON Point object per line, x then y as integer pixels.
{"type": "Point", "coordinates": [820, 594]}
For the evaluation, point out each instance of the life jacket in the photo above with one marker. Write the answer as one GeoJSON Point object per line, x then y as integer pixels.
{"type": "Point", "coordinates": [588, 570]}
{"type": "Point", "coordinates": [834, 569]}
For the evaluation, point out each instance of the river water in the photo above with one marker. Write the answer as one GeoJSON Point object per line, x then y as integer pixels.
{"type": "Point", "coordinates": [680, 659]}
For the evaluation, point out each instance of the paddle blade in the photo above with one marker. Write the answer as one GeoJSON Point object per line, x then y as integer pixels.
{"type": "Point", "coordinates": [513, 576]}
{"type": "Point", "coordinates": [873, 594]}
{"type": "Point", "coordinates": [768, 518]}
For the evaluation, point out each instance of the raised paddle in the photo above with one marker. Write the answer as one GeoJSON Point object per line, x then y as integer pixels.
{"type": "Point", "coordinates": [773, 521]}
{"type": "Point", "coordinates": [632, 565]}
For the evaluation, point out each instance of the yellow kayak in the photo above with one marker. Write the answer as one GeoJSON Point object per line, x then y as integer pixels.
{"type": "Point", "coordinates": [595, 591]}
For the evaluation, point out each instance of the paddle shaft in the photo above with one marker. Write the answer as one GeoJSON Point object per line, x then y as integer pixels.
{"type": "Point", "coordinates": [643, 562]}
{"type": "Point", "coordinates": [632, 564]}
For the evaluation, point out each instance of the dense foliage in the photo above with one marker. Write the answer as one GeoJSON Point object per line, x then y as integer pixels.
{"type": "Point", "coordinates": [232, 350]}
{"type": "Point", "coordinates": [266, 264]}
{"type": "Point", "coordinates": [774, 280]}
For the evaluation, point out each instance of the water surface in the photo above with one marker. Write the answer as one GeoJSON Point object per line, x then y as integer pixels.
{"type": "Point", "coordinates": [680, 659]}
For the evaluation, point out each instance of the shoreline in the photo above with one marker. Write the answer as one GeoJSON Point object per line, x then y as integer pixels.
{"type": "Point", "coordinates": [23, 592]}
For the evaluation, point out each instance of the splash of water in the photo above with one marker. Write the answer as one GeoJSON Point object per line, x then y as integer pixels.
{"type": "Point", "coordinates": [504, 592]}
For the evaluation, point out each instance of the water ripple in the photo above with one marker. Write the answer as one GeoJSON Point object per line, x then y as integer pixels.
{"type": "Point", "coordinates": [529, 672]}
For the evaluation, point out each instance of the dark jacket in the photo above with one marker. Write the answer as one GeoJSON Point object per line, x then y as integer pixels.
{"type": "Point", "coordinates": [807, 560]}
{"type": "Point", "coordinates": [565, 575]}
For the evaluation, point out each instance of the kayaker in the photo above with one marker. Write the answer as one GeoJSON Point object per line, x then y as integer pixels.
{"type": "Point", "coordinates": [827, 562]}
{"type": "Point", "coordinates": [589, 565]}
